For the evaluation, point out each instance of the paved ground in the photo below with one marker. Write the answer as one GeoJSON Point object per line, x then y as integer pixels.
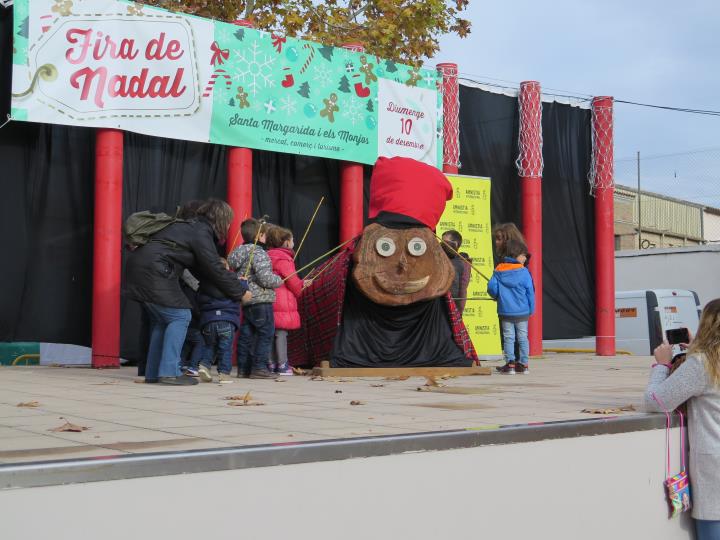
{"type": "Point", "coordinates": [126, 417]}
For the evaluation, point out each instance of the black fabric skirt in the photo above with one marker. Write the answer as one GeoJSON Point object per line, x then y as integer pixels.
{"type": "Point", "coordinates": [373, 335]}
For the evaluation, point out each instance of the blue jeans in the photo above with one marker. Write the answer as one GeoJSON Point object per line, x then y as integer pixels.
{"type": "Point", "coordinates": [192, 348]}
{"type": "Point", "coordinates": [255, 339]}
{"type": "Point", "coordinates": [218, 336]}
{"type": "Point", "coordinates": [513, 331]}
{"type": "Point", "coordinates": [706, 529]}
{"type": "Point", "coordinates": [167, 334]}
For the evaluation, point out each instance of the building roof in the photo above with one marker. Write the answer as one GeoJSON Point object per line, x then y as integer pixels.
{"type": "Point", "coordinates": [633, 191]}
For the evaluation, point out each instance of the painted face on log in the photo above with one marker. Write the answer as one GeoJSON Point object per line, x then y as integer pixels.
{"type": "Point", "coordinates": [395, 267]}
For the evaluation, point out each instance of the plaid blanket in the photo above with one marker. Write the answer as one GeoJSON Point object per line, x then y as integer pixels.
{"type": "Point", "coordinates": [321, 307]}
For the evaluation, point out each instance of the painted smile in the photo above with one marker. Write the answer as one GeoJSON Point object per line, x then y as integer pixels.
{"type": "Point", "coordinates": [393, 286]}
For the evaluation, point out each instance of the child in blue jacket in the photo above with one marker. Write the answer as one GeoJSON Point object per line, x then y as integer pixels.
{"type": "Point", "coordinates": [512, 286]}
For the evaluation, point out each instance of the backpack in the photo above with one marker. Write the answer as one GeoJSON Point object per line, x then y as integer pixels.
{"type": "Point", "coordinates": [140, 226]}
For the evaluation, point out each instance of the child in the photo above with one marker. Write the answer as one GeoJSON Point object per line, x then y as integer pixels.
{"type": "Point", "coordinates": [452, 240]}
{"type": "Point", "coordinates": [285, 309]}
{"type": "Point", "coordinates": [504, 232]}
{"type": "Point", "coordinates": [251, 261]}
{"type": "Point", "coordinates": [512, 286]}
{"type": "Point", "coordinates": [219, 320]}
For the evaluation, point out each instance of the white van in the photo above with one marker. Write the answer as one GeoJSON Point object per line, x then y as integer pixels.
{"type": "Point", "coordinates": [641, 319]}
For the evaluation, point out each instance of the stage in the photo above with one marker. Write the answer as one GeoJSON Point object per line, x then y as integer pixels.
{"type": "Point", "coordinates": [126, 417]}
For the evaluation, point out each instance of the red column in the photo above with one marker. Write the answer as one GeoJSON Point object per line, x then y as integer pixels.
{"type": "Point", "coordinates": [530, 165]}
{"type": "Point", "coordinates": [239, 181]}
{"type": "Point", "coordinates": [451, 117]}
{"type": "Point", "coordinates": [602, 128]}
{"type": "Point", "coordinates": [351, 187]}
{"type": "Point", "coordinates": [107, 247]}
{"type": "Point", "coordinates": [239, 191]}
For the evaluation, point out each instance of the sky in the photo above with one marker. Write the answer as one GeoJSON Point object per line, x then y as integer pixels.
{"type": "Point", "coordinates": [658, 52]}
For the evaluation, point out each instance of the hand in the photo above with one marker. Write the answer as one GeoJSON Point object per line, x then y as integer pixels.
{"type": "Point", "coordinates": [247, 296]}
{"type": "Point", "coordinates": [663, 353]}
{"type": "Point", "coordinates": [242, 278]}
{"type": "Point", "coordinates": [522, 259]}
{"type": "Point", "coordinates": [307, 283]}
{"type": "Point", "coordinates": [684, 346]}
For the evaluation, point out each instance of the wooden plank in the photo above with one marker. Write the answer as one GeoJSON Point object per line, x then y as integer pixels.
{"type": "Point", "coordinates": [401, 371]}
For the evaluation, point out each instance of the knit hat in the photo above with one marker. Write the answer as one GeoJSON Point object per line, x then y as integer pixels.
{"type": "Point", "coordinates": [410, 188]}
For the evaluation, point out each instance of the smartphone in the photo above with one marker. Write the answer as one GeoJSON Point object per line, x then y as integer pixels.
{"type": "Point", "coordinates": [677, 335]}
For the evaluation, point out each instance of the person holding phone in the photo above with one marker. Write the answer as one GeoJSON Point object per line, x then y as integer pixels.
{"type": "Point", "coordinates": [697, 382]}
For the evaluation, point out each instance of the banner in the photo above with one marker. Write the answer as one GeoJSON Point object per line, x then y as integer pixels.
{"type": "Point", "coordinates": [109, 63]}
{"type": "Point", "coordinates": [469, 214]}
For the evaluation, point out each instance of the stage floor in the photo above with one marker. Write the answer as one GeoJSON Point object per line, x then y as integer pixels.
{"type": "Point", "coordinates": [125, 417]}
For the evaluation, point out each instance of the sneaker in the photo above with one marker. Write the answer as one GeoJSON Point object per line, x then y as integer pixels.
{"type": "Point", "coordinates": [522, 369]}
{"type": "Point", "coordinates": [225, 378]}
{"type": "Point", "coordinates": [182, 380]}
{"type": "Point", "coordinates": [204, 374]}
{"type": "Point", "coordinates": [263, 374]}
{"type": "Point", "coordinates": [284, 370]}
{"type": "Point", "coordinates": [190, 372]}
{"type": "Point", "coordinates": [507, 369]}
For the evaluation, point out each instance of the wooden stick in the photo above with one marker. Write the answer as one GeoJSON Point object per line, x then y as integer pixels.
{"type": "Point", "coordinates": [308, 265]}
{"type": "Point", "coordinates": [313, 278]}
{"type": "Point", "coordinates": [462, 258]}
{"type": "Point", "coordinates": [307, 230]}
{"type": "Point", "coordinates": [232, 246]}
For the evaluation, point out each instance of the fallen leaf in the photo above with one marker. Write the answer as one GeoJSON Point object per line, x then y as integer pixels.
{"type": "Point", "coordinates": [67, 426]}
{"type": "Point", "coordinates": [246, 404]}
{"type": "Point", "coordinates": [280, 380]}
{"type": "Point", "coordinates": [399, 378]}
{"type": "Point", "coordinates": [246, 398]}
{"type": "Point", "coordinates": [356, 402]}
{"type": "Point", "coordinates": [300, 371]}
{"type": "Point", "coordinates": [139, 381]}
{"type": "Point", "coordinates": [377, 385]}
{"type": "Point", "coordinates": [338, 391]}
{"type": "Point", "coordinates": [615, 410]}
{"type": "Point", "coordinates": [29, 404]}
{"type": "Point", "coordinates": [317, 378]}
{"type": "Point", "coordinates": [432, 381]}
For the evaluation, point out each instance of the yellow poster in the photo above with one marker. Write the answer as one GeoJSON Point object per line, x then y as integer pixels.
{"type": "Point", "coordinates": [469, 214]}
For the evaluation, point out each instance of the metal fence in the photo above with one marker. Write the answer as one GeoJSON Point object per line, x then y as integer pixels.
{"type": "Point", "coordinates": [680, 202]}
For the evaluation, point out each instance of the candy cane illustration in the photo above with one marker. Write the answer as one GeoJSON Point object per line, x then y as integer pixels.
{"type": "Point", "coordinates": [213, 78]}
{"type": "Point", "coordinates": [310, 57]}
{"type": "Point", "coordinates": [218, 58]}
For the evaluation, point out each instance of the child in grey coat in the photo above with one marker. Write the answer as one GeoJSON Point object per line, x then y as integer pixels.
{"type": "Point", "coordinates": [255, 337]}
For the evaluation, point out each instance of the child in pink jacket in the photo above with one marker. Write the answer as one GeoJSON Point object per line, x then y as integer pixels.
{"type": "Point", "coordinates": [280, 248]}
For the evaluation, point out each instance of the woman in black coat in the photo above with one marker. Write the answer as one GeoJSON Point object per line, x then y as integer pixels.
{"type": "Point", "coordinates": [153, 277]}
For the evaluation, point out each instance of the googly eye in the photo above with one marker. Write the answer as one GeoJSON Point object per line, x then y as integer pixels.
{"type": "Point", "coordinates": [417, 247]}
{"type": "Point", "coordinates": [385, 246]}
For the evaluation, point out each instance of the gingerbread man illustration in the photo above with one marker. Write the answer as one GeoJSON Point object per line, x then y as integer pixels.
{"type": "Point", "coordinates": [330, 108]}
{"type": "Point", "coordinates": [62, 7]}
{"type": "Point", "coordinates": [367, 69]}
{"type": "Point", "coordinates": [414, 78]}
{"type": "Point", "coordinates": [242, 96]}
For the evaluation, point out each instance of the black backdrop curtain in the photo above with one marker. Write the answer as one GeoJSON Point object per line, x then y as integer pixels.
{"type": "Point", "coordinates": [46, 207]}
{"type": "Point", "coordinates": [488, 147]}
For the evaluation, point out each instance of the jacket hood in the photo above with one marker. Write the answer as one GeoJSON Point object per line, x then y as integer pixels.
{"type": "Point", "coordinates": [509, 272]}
{"type": "Point", "coordinates": [281, 253]}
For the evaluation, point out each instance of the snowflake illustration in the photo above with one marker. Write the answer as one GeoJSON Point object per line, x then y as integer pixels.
{"type": "Point", "coordinates": [270, 106]}
{"type": "Point", "coordinates": [226, 35]}
{"type": "Point", "coordinates": [322, 75]}
{"type": "Point", "coordinates": [288, 105]}
{"type": "Point", "coordinates": [429, 78]}
{"type": "Point", "coordinates": [352, 111]}
{"type": "Point", "coordinates": [254, 69]}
